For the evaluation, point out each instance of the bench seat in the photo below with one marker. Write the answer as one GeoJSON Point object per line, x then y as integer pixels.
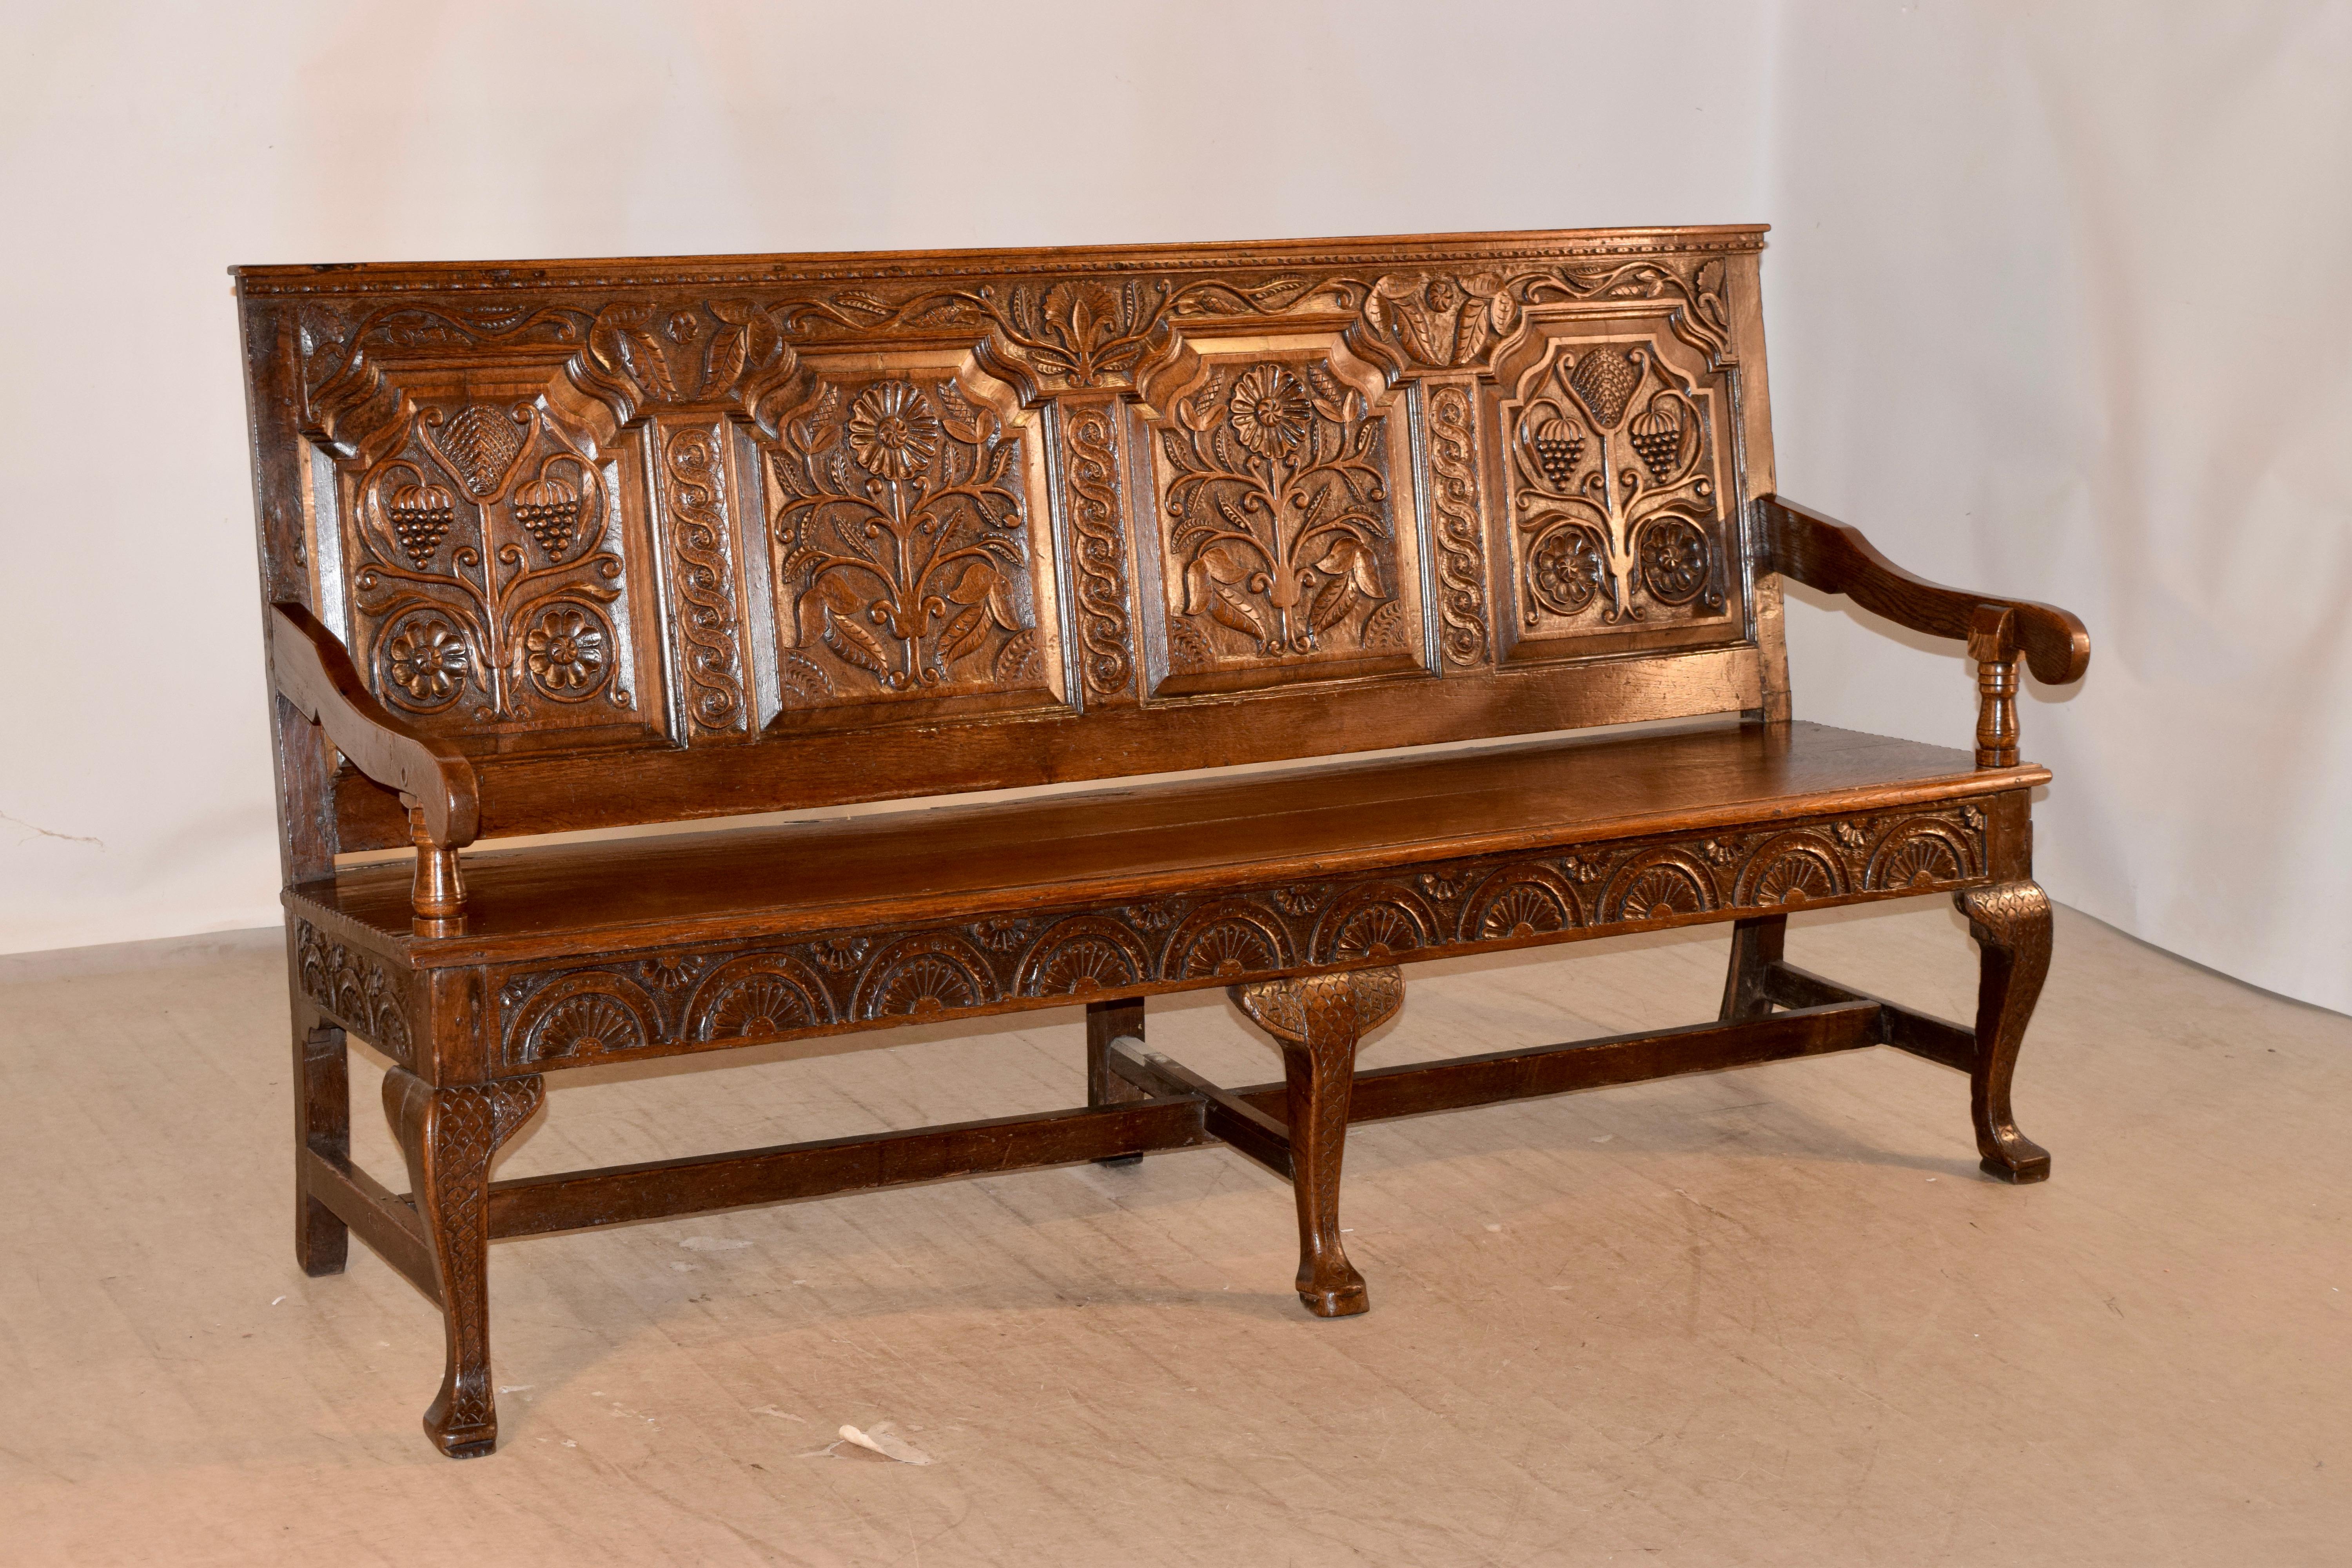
{"type": "Point", "coordinates": [1166, 839]}
{"type": "Point", "coordinates": [651, 946]}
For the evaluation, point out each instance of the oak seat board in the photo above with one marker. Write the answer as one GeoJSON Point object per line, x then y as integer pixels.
{"type": "Point", "coordinates": [1193, 835]}
{"type": "Point", "coordinates": [588, 545]}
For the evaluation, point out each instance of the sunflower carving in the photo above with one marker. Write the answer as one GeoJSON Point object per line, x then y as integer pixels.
{"type": "Point", "coordinates": [1277, 517]}
{"type": "Point", "coordinates": [902, 539]}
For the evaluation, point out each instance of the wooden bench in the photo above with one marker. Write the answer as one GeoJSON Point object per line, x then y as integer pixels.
{"type": "Point", "coordinates": [575, 545]}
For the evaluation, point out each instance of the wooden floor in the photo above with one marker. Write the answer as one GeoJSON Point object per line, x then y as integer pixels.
{"type": "Point", "coordinates": [1774, 1316]}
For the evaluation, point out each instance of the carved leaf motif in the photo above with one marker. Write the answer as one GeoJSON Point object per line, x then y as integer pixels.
{"type": "Point", "coordinates": [962, 635]}
{"type": "Point", "coordinates": [1229, 608]}
{"type": "Point", "coordinates": [1018, 661]}
{"type": "Point", "coordinates": [1350, 556]}
{"type": "Point", "coordinates": [1216, 564]}
{"type": "Point", "coordinates": [973, 584]}
{"type": "Point", "coordinates": [1000, 603]}
{"type": "Point", "coordinates": [1332, 602]}
{"type": "Point", "coordinates": [1384, 629]}
{"type": "Point", "coordinates": [852, 642]}
{"type": "Point", "coordinates": [642, 352]}
{"type": "Point", "coordinates": [820, 429]}
{"type": "Point", "coordinates": [998, 462]}
{"type": "Point", "coordinates": [726, 359]}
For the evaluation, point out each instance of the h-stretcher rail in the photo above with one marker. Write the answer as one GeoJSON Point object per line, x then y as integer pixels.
{"type": "Point", "coordinates": [1183, 1111]}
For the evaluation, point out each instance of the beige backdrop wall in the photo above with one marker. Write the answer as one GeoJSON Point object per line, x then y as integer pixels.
{"type": "Point", "coordinates": [2057, 299]}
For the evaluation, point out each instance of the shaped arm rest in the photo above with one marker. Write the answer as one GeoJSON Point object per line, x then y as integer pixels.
{"type": "Point", "coordinates": [1824, 553]}
{"type": "Point", "coordinates": [435, 780]}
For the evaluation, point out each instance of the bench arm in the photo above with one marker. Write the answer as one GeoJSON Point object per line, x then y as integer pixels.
{"type": "Point", "coordinates": [1824, 553]}
{"type": "Point", "coordinates": [314, 672]}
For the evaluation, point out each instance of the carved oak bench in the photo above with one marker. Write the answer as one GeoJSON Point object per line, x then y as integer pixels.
{"type": "Point", "coordinates": [582, 544]}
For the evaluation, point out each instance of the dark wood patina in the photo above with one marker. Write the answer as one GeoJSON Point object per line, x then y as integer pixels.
{"type": "Point", "coordinates": [586, 544]}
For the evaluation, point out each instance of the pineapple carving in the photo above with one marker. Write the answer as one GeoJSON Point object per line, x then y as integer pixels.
{"type": "Point", "coordinates": [1604, 380]}
{"type": "Point", "coordinates": [478, 444]}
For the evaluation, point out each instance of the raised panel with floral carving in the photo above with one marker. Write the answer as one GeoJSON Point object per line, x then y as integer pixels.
{"type": "Point", "coordinates": [906, 529]}
{"type": "Point", "coordinates": [1620, 493]}
{"type": "Point", "coordinates": [1286, 522]}
{"type": "Point", "coordinates": [481, 543]}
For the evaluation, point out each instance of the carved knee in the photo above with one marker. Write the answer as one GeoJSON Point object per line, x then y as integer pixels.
{"type": "Point", "coordinates": [2012, 924]}
{"type": "Point", "coordinates": [448, 1136]}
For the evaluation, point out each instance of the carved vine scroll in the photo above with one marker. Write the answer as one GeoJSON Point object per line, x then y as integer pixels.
{"type": "Point", "coordinates": [1460, 523]}
{"type": "Point", "coordinates": [1092, 332]}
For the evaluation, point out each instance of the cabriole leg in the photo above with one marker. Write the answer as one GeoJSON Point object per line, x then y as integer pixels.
{"type": "Point", "coordinates": [1757, 945]}
{"type": "Point", "coordinates": [1316, 1020]}
{"type": "Point", "coordinates": [448, 1136]}
{"type": "Point", "coordinates": [2010, 921]}
{"type": "Point", "coordinates": [322, 1120]}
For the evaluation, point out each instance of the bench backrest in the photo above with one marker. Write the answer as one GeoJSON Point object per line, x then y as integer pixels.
{"type": "Point", "coordinates": [666, 539]}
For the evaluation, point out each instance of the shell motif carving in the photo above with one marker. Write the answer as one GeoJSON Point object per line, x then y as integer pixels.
{"type": "Point", "coordinates": [1793, 869]}
{"type": "Point", "coordinates": [1375, 923]}
{"type": "Point", "coordinates": [757, 997]}
{"type": "Point", "coordinates": [1230, 937]}
{"type": "Point", "coordinates": [584, 1016]}
{"type": "Point", "coordinates": [1079, 957]}
{"type": "Point", "coordinates": [1920, 852]}
{"type": "Point", "coordinates": [1520, 902]}
{"type": "Point", "coordinates": [1657, 885]}
{"type": "Point", "coordinates": [937, 972]}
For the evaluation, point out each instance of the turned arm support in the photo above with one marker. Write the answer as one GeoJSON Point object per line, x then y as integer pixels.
{"type": "Point", "coordinates": [1824, 553]}
{"type": "Point", "coordinates": [435, 780]}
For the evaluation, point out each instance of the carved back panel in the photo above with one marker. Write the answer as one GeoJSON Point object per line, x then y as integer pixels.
{"type": "Point", "coordinates": [656, 539]}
